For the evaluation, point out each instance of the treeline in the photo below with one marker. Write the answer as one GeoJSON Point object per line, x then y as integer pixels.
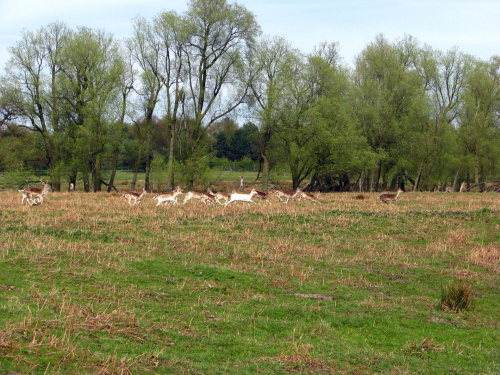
{"type": "Point", "coordinates": [83, 104]}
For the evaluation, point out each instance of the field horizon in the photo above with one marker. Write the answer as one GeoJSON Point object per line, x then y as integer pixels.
{"type": "Point", "coordinates": [352, 285]}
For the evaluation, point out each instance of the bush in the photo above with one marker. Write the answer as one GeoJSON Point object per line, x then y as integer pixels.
{"type": "Point", "coordinates": [457, 296]}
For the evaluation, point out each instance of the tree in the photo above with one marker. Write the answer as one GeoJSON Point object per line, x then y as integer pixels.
{"type": "Point", "coordinates": [325, 136]}
{"type": "Point", "coordinates": [391, 95]}
{"type": "Point", "coordinates": [221, 36]}
{"type": "Point", "coordinates": [479, 120]}
{"type": "Point", "coordinates": [275, 59]}
{"type": "Point", "coordinates": [145, 48]}
{"type": "Point", "coordinates": [172, 31]}
{"type": "Point", "coordinates": [90, 85]}
{"type": "Point", "coordinates": [221, 146]}
{"type": "Point", "coordinates": [30, 87]}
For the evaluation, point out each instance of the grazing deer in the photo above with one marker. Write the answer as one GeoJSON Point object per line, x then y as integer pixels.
{"type": "Point", "coordinates": [168, 197]}
{"type": "Point", "coordinates": [241, 198]}
{"type": "Point", "coordinates": [285, 195]}
{"type": "Point", "coordinates": [134, 198]}
{"type": "Point", "coordinates": [35, 195]}
{"type": "Point", "coordinates": [220, 196]}
{"type": "Point", "coordinates": [205, 198]}
{"type": "Point", "coordinates": [387, 198]}
{"type": "Point", "coordinates": [312, 197]}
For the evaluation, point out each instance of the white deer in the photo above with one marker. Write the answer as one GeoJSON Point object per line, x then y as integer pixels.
{"type": "Point", "coordinates": [168, 197]}
{"type": "Point", "coordinates": [134, 198]}
{"type": "Point", "coordinates": [312, 197]}
{"type": "Point", "coordinates": [285, 195]}
{"type": "Point", "coordinates": [235, 197]}
{"type": "Point", "coordinates": [388, 198]}
{"type": "Point", "coordinates": [35, 195]}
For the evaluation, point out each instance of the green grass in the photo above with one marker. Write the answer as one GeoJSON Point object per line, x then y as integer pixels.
{"type": "Point", "coordinates": [91, 285]}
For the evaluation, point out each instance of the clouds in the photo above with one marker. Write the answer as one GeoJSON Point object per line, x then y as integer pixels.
{"type": "Point", "coordinates": [472, 26]}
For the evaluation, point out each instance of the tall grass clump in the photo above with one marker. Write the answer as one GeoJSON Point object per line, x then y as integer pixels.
{"type": "Point", "coordinates": [457, 296]}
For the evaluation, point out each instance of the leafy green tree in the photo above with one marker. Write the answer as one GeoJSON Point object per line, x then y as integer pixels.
{"type": "Point", "coordinates": [222, 149]}
{"type": "Point", "coordinates": [172, 31]}
{"type": "Point", "coordinates": [30, 87]}
{"type": "Point", "coordinates": [393, 109]}
{"type": "Point", "coordinates": [145, 48]}
{"type": "Point", "coordinates": [275, 60]}
{"type": "Point", "coordinates": [20, 149]}
{"type": "Point", "coordinates": [217, 59]}
{"type": "Point", "coordinates": [479, 122]}
{"type": "Point", "coordinates": [337, 150]}
{"type": "Point", "coordinates": [92, 69]}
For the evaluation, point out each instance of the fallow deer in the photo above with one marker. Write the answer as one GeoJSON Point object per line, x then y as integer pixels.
{"type": "Point", "coordinates": [235, 197]}
{"type": "Point", "coordinates": [35, 195]}
{"type": "Point", "coordinates": [220, 196]}
{"type": "Point", "coordinates": [134, 198]}
{"type": "Point", "coordinates": [388, 198]}
{"type": "Point", "coordinates": [205, 198]}
{"type": "Point", "coordinates": [262, 195]}
{"type": "Point", "coordinates": [168, 197]}
{"type": "Point", "coordinates": [312, 197]}
{"type": "Point", "coordinates": [285, 195]}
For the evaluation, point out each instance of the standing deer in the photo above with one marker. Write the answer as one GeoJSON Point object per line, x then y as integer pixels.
{"type": "Point", "coordinates": [388, 198]}
{"type": "Point", "coordinates": [134, 198]}
{"type": "Point", "coordinates": [35, 195]}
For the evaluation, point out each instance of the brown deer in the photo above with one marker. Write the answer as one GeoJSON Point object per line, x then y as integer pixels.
{"type": "Point", "coordinates": [220, 196]}
{"type": "Point", "coordinates": [34, 195]}
{"type": "Point", "coordinates": [168, 197]}
{"type": "Point", "coordinates": [285, 195]}
{"type": "Point", "coordinates": [312, 197]}
{"type": "Point", "coordinates": [261, 195]}
{"type": "Point", "coordinates": [134, 198]}
{"type": "Point", "coordinates": [388, 198]}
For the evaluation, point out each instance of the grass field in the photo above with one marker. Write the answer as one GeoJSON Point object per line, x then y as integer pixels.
{"type": "Point", "coordinates": [352, 286]}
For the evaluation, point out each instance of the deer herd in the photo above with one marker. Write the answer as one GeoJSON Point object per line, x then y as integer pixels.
{"type": "Point", "coordinates": [34, 196]}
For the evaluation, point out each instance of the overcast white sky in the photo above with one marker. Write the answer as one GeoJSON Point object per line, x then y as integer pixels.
{"type": "Point", "coordinates": [471, 25]}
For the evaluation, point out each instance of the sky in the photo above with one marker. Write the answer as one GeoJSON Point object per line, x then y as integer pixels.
{"type": "Point", "coordinates": [472, 26]}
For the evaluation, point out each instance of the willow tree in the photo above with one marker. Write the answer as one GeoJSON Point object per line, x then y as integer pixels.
{"type": "Point", "coordinates": [275, 61]}
{"type": "Point", "coordinates": [479, 121]}
{"type": "Point", "coordinates": [217, 54]}
{"type": "Point", "coordinates": [172, 32]}
{"type": "Point", "coordinates": [30, 87]}
{"type": "Point", "coordinates": [90, 86]}
{"type": "Point", "coordinates": [145, 48]}
{"type": "Point", "coordinates": [389, 97]}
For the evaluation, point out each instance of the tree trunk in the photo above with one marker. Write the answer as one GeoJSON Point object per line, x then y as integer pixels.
{"type": "Point", "coordinates": [455, 181]}
{"type": "Point", "coordinates": [96, 175]}
{"type": "Point", "coordinates": [417, 180]}
{"type": "Point", "coordinates": [136, 169]}
{"type": "Point", "coordinates": [113, 172]}
{"type": "Point", "coordinates": [170, 166]}
{"type": "Point", "coordinates": [265, 173]}
{"type": "Point", "coordinates": [86, 178]}
{"type": "Point", "coordinates": [476, 170]}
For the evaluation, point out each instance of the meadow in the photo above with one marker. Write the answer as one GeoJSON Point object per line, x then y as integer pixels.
{"type": "Point", "coordinates": [91, 285]}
